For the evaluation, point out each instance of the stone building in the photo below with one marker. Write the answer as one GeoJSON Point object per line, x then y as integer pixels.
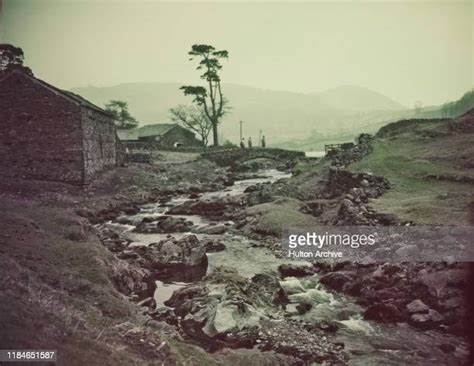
{"type": "Point", "coordinates": [50, 134]}
{"type": "Point", "coordinates": [162, 135]}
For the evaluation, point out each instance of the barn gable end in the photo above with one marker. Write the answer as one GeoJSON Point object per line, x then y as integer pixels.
{"type": "Point", "coordinates": [47, 134]}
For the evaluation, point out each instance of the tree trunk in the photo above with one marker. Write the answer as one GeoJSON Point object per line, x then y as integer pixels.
{"type": "Point", "coordinates": [214, 134]}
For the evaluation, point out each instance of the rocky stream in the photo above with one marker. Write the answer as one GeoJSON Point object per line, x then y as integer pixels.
{"type": "Point", "coordinates": [221, 288]}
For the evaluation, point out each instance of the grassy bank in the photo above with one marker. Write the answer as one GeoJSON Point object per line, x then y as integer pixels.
{"type": "Point", "coordinates": [407, 158]}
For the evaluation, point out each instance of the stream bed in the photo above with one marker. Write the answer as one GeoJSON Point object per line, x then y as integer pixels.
{"type": "Point", "coordinates": [366, 342]}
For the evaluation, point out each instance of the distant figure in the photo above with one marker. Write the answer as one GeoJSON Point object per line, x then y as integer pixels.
{"type": "Point", "coordinates": [250, 142]}
{"type": "Point", "coordinates": [263, 141]}
{"type": "Point", "coordinates": [242, 144]}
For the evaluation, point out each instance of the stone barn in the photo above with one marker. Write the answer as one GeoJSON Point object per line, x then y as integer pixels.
{"type": "Point", "coordinates": [50, 134]}
{"type": "Point", "coordinates": [162, 135]}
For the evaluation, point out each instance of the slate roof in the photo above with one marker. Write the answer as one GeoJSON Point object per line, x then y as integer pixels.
{"type": "Point", "coordinates": [158, 129]}
{"type": "Point", "coordinates": [64, 93]}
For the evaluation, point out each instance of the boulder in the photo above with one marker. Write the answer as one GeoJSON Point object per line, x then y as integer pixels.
{"type": "Point", "coordinates": [213, 246]}
{"type": "Point", "coordinates": [128, 278]}
{"type": "Point", "coordinates": [292, 286]}
{"type": "Point", "coordinates": [303, 308]}
{"type": "Point", "coordinates": [336, 280]}
{"type": "Point", "coordinates": [124, 220]}
{"type": "Point", "coordinates": [252, 188]}
{"type": "Point", "coordinates": [435, 316]}
{"type": "Point", "coordinates": [417, 306]}
{"type": "Point", "coordinates": [213, 229]}
{"type": "Point", "coordinates": [170, 253]}
{"type": "Point", "coordinates": [428, 320]}
{"type": "Point", "coordinates": [186, 293]}
{"type": "Point", "coordinates": [205, 208]}
{"type": "Point", "coordinates": [232, 316]}
{"type": "Point", "coordinates": [163, 224]}
{"type": "Point", "coordinates": [383, 312]}
{"type": "Point", "coordinates": [228, 182]}
{"type": "Point", "coordinates": [295, 270]}
{"type": "Point", "coordinates": [164, 314]}
{"type": "Point", "coordinates": [130, 210]}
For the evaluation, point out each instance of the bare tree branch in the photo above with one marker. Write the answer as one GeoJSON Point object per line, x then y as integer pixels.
{"type": "Point", "coordinates": [193, 118]}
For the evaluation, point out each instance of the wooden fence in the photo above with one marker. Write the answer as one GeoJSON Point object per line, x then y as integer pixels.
{"type": "Point", "coordinates": [332, 148]}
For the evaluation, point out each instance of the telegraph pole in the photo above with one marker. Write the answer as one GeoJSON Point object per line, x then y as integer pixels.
{"type": "Point", "coordinates": [260, 138]}
{"type": "Point", "coordinates": [240, 132]}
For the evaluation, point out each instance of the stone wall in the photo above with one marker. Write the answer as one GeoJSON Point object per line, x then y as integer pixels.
{"type": "Point", "coordinates": [99, 141]}
{"type": "Point", "coordinates": [40, 132]}
{"type": "Point", "coordinates": [155, 145]}
{"type": "Point", "coordinates": [140, 145]}
{"type": "Point", "coordinates": [355, 153]}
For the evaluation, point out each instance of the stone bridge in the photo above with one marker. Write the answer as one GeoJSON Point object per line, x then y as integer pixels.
{"type": "Point", "coordinates": [238, 155]}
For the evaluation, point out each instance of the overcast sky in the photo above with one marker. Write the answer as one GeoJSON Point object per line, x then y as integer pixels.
{"type": "Point", "coordinates": [412, 50]}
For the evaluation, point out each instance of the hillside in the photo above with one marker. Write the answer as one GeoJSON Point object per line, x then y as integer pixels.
{"type": "Point", "coordinates": [358, 99]}
{"type": "Point", "coordinates": [430, 164]}
{"type": "Point", "coordinates": [450, 109]}
{"type": "Point", "coordinates": [316, 141]}
{"type": "Point", "coordinates": [280, 115]}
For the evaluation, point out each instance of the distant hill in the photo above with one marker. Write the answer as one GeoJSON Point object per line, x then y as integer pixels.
{"type": "Point", "coordinates": [316, 142]}
{"type": "Point", "coordinates": [358, 99]}
{"type": "Point", "coordinates": [281, 115]}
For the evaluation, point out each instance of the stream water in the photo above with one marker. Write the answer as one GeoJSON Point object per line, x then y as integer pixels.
{"type": "Point", "coordinates": [368, 343]}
